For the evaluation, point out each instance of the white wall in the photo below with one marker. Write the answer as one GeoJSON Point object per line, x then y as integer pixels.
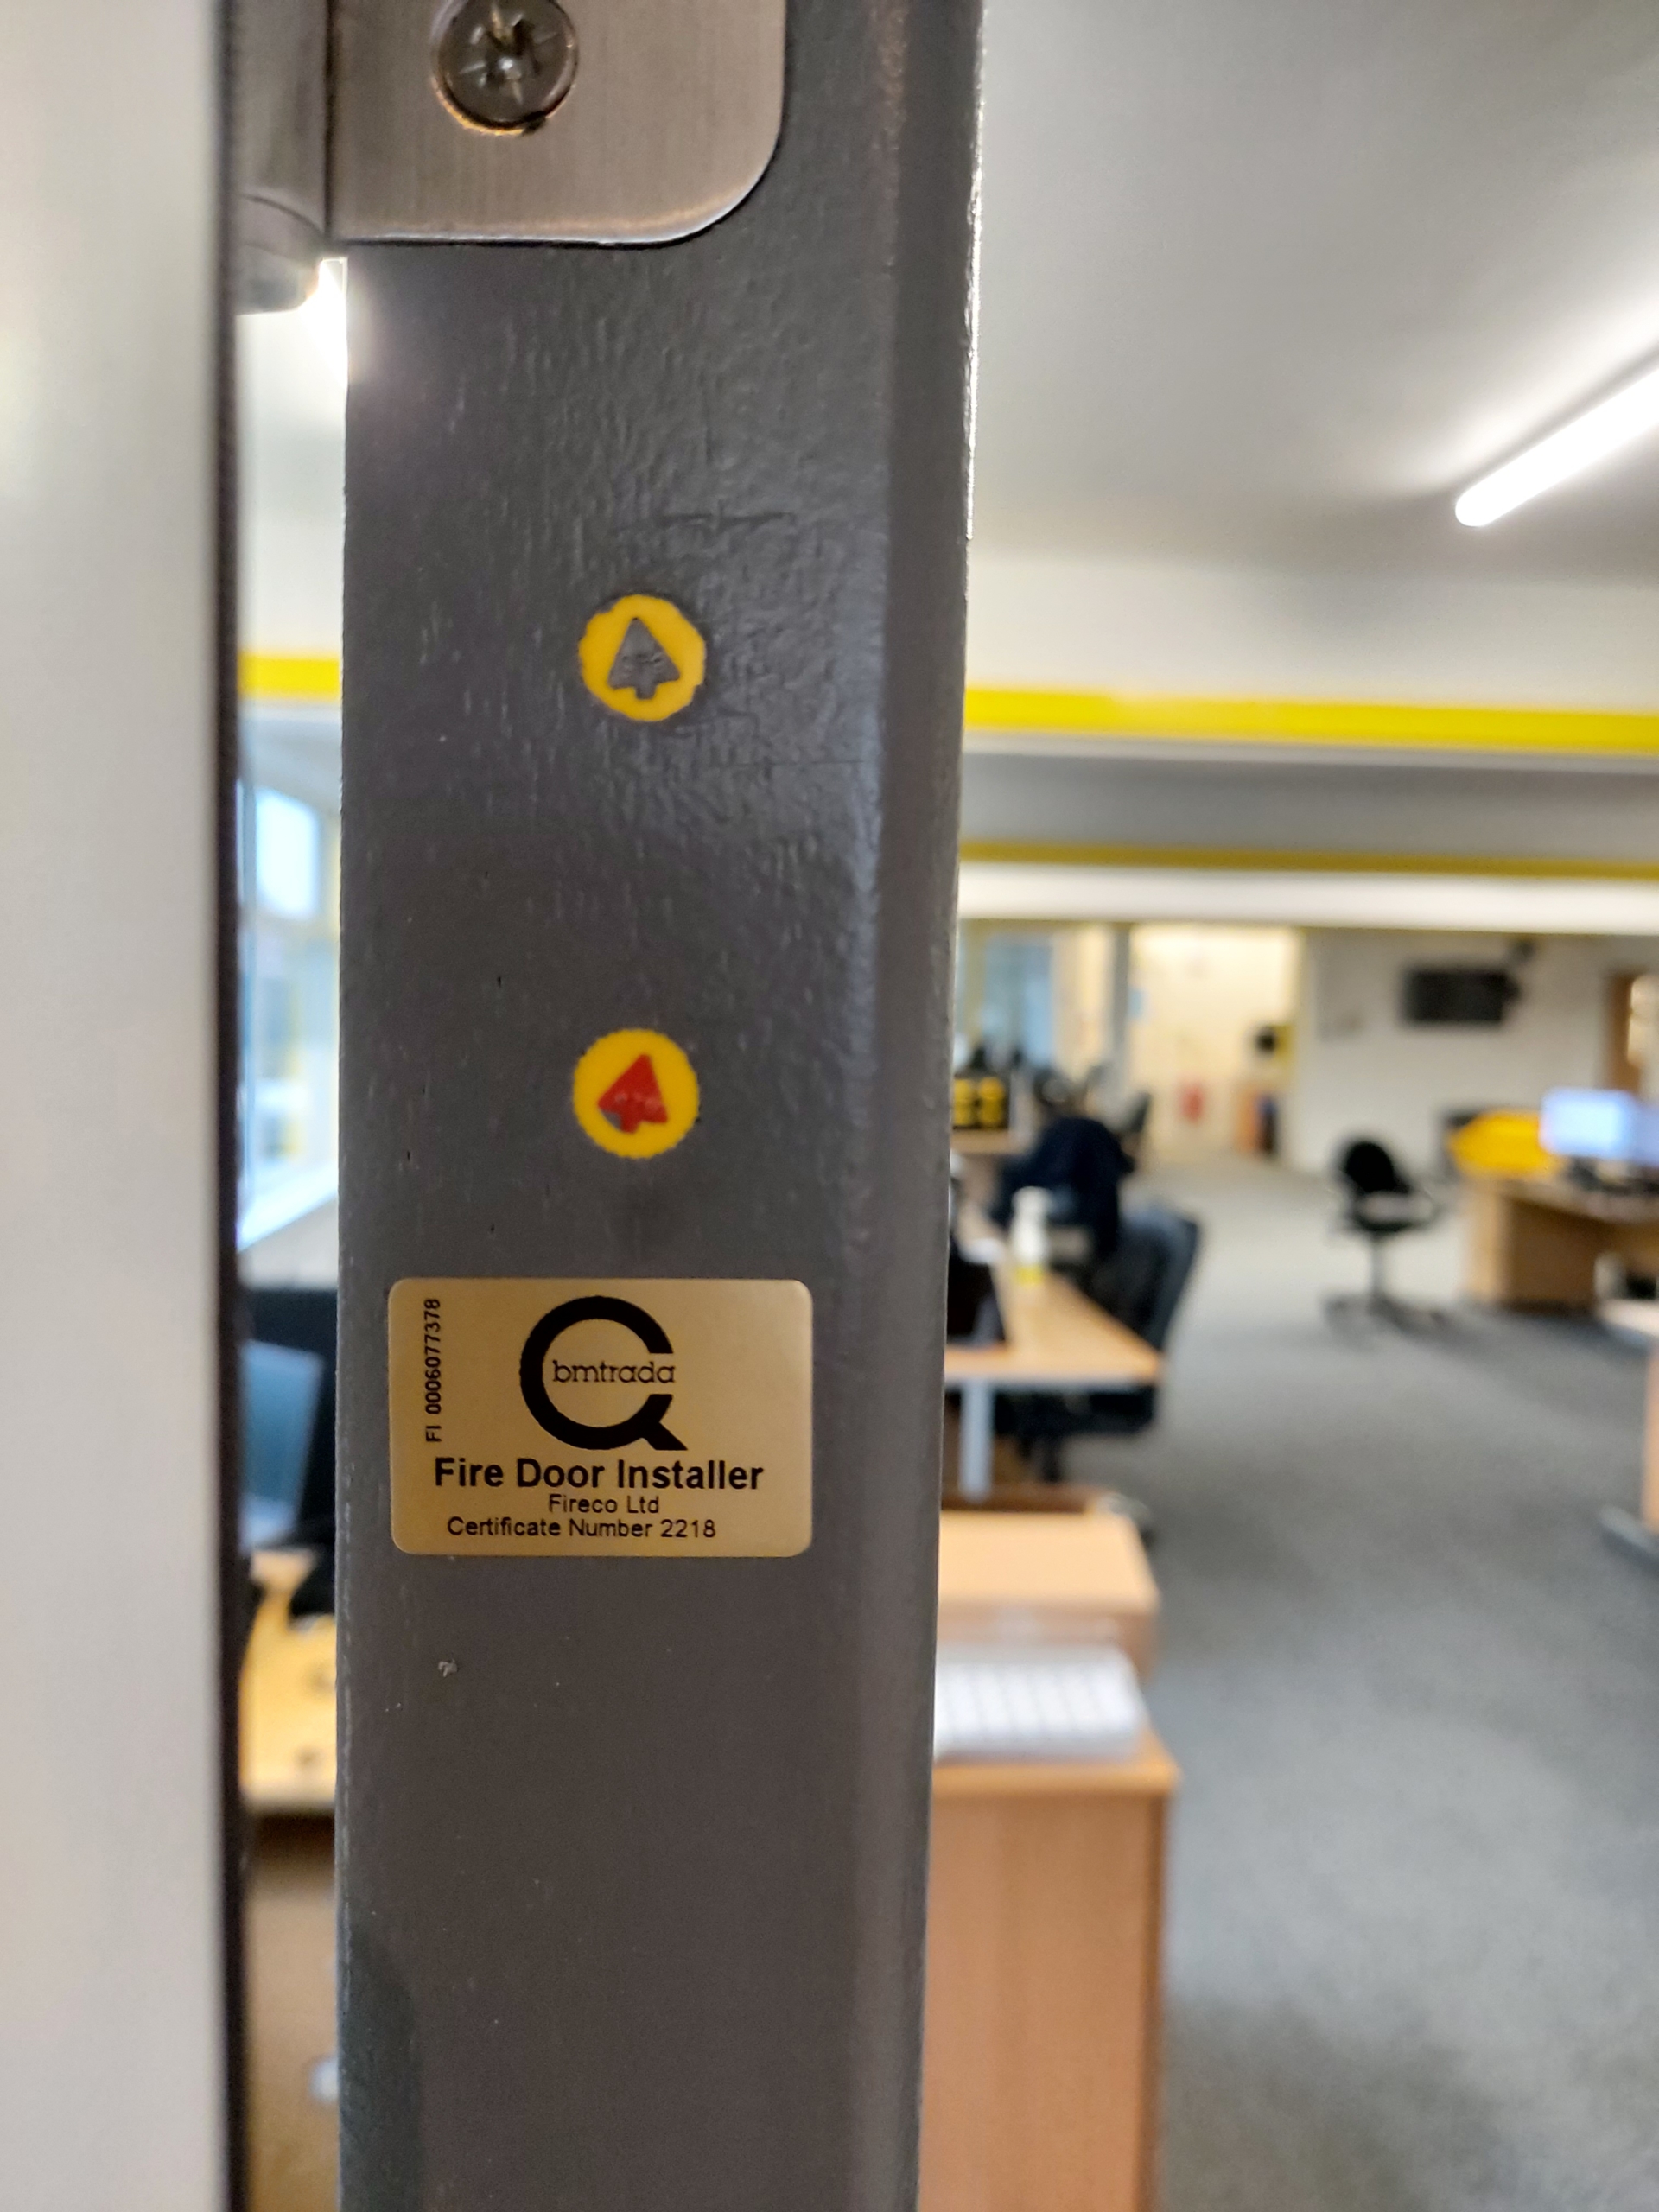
{"type": "Point", "coordinates": [1311, 898]}
{"type": "Point", "coordinates": [1083, 998]}
{"type": "Point", "coordinates": [293, 509]}
{"type": "Point", "coordinates": [1557, 811]}
{"type": "Point", "coordinates": [1039, 621]}
{"type": "Point", "coordinates": [1198, 996]}
{"type": "Point", "coordinates": [1358, 1070]}
{"type": "Point", "coordinates": [1165, 627]}
{"type": "Point", "coordinates": [111, 2015]}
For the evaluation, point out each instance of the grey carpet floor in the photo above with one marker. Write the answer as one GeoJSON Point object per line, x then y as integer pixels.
{"type": "Point", "coordinates": [1414, 1936]}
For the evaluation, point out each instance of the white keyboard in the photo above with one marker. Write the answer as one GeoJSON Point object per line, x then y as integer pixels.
{"type": "Point", "coordinates": [1044, 1703]}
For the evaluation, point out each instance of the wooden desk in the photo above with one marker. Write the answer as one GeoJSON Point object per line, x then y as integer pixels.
{"type": "Point", "coordinates": [288, 1784]}
{"type": "Point", "coordinates": [293, 2095]}
{"type": "Point", "coordinates": [1058, 1339]}
{"type": "Point", "coordinates": [1042, 2053]}
{"type": "Point", "coordinates": [1078, 1578]}
{"type": "Point", "coordinates": [288, 1698]}
{"type": "Point", "coordinates": [1536, 1243]}
{"type": "Point", "coordinates": [1638, 1532]}
{"type": "Point", "coordinates": [981, 1153]}
{"type": "Point", "coordinates": [988, 1144]}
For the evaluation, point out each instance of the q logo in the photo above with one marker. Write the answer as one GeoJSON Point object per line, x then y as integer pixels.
{"type": "Point", "coordinates": [644, 1426]}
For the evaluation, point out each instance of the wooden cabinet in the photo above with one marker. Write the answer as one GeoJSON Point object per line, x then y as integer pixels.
{"type": "Point", "coordinates": [1537, 1243]}
{"type": "Point", "coordinates": [293, 2111]}
{"type": "Point", "coordinates": [287, 1786]}
{"type": "Point", "coordinates": [1044, 1978]}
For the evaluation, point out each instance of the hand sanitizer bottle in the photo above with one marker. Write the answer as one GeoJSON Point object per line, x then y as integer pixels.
{"type": "Point", "coordinates": [1028, 1240]}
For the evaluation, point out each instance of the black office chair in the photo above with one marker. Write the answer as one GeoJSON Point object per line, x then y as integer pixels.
{"type": "Point", "coordinates": [1141, 1285]}
{"type": "Point", "coordinates": [1130, 1128]}
{"type": "Point", "coordinates": [308, 1321]}
{"type": "Point", "coordinates": [1379, 1203]}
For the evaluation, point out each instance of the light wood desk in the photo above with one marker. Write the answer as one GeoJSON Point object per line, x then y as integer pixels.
{"type": "Point", "coordinates": [981, 1153]}
{"type": "Point", "coordinates": [289, 1939]}
{"type": "Point", "coordinates": [288, 1698]}
{"type": "Point", "coordinates": [1043, 2042]}
{"type": "Point", "coordinates": [288, 1784]}
{"type": "Point", "coordinates": [1638, 1532]}
{"type": "Point", "coordinates": [1536, 1243]}
{"type": "Point", "coordinates": [988, 1144]}
{"type": "Point", "coordinates": [1064, 1577]}
{"type": "Point", "coordinates": [1058, 1339]}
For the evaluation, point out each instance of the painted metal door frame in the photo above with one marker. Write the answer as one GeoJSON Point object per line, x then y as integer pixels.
{"type": "Point", "coordinates": [632, 1852]}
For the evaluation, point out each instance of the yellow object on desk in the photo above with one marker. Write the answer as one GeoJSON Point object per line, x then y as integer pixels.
{"type": "Point", "coordinates": [1501, 1143]}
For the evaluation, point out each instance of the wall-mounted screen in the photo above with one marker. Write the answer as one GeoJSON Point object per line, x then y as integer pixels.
{"type": "Point", "coordinates": [1456, 998]}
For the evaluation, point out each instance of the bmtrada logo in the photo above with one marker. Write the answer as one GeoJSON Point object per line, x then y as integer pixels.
{"type": "Point", "coordinates": [536, 1370]}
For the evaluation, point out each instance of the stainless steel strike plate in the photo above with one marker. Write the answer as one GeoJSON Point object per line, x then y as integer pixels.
{"type": "Point", "coordinates": [662, 117]}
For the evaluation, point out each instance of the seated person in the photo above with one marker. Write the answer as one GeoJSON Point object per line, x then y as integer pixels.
{"type": "Point", "coordinates": [1078, 1160]}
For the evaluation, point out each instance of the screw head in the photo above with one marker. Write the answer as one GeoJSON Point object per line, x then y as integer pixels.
{"type": "Point", "coordinates": [504, 65]}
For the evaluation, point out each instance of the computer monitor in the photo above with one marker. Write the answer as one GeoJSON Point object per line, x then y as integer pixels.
{"type": "Point", "coordinates": [1608, 1125]}
{"type": "Point", "coordinates": [306, 1319]}
{"type": "Point", "coordinates": [281, 1387]}
{"type": "Point", "coordinates": [1456, 998]}
{"type": "Point", "coordinates": [972, 1315]}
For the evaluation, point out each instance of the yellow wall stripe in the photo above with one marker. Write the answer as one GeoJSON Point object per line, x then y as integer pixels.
{"type": "Point", "coordinates": [298, 678]}
{"type": "Point", "coordinates": [1310, 721]}
{"type": "Point", "coordinates": [1258, 860]}
{"type": "Point", "coordinates": [315, 678]}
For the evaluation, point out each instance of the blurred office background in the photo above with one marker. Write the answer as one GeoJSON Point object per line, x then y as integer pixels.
{"type": "Point", "coordinates": [1295, 814]}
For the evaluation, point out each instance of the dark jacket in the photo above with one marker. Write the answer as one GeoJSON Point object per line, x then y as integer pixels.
{"type": "Point", "coordinates": [1081, 1163]}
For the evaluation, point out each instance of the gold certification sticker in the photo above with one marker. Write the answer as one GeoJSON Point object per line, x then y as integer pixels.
{"type": "Point", "coordinates": [610, 1418]}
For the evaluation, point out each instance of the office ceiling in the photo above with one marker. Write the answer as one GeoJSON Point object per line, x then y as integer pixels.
{"type": "Point", "coordinates": [1270, 282]}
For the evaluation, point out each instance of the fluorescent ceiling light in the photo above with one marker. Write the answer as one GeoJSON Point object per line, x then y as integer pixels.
{"type": "Point", "coordinates": [324, 316]}
{"type": "Point", "coordinates": [1591, 436]}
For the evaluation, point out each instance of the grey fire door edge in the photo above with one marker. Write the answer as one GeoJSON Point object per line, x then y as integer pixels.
{"type": "Point", "coordinates": [652, 716]}
{"type": "Point", "coordinates": [624, 122]}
